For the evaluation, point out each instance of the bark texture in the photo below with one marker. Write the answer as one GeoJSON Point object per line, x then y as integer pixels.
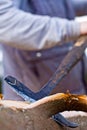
{"type": "Point", "coordinates": [16, 115]}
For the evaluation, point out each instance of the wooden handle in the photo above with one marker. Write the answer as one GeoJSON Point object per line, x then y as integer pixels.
{"type": "Point", "coordinates": [67, 64]}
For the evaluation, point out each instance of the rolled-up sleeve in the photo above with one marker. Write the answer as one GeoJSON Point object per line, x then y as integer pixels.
{"type": "Point", "coordinates": [80, 7]}
{"type": "Point", "coordinates": [31, 32]}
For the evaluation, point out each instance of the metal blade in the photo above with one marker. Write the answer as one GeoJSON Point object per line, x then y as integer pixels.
{"type": "Point", "coordinates": [63, 121]}
{"type": "Point", "coordinates": [21, 89]}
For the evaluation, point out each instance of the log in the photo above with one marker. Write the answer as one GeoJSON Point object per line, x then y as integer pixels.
{"type": "Point", "coordinates": [18, 115]}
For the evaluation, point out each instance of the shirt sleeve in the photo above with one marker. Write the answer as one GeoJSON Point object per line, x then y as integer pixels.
{"type": "Point", "coordinates": [31, 32]}
{"type": "Point", "coordinates": [80, 7]}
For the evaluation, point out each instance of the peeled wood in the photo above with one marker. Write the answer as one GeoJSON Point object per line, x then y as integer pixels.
{"type": "Point", "coordinates": [16, 115]}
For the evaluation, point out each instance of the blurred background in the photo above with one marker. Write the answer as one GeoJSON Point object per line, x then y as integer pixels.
{"type": "Point", "coordinates": [1, 68]}
{"type": "Point", "coordinates": [1, 54]}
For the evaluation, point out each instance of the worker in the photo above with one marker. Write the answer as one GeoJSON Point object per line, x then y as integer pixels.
{"type": "Point", "coordinates": [35, 37]}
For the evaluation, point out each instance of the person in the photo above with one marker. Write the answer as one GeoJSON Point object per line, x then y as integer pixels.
{"type": "Point", "coordinates": [35, 36]}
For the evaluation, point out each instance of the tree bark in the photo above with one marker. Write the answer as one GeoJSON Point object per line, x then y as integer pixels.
{"type": "Point", "coordinates": [16, 115]}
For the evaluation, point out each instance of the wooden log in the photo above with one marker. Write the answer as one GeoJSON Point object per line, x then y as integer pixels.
{"type": "Point", "coordinates": [17, 115]}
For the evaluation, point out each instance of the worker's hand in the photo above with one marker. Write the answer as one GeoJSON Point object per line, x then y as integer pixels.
{"type": "Point", "coordinates": [83, 28]}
